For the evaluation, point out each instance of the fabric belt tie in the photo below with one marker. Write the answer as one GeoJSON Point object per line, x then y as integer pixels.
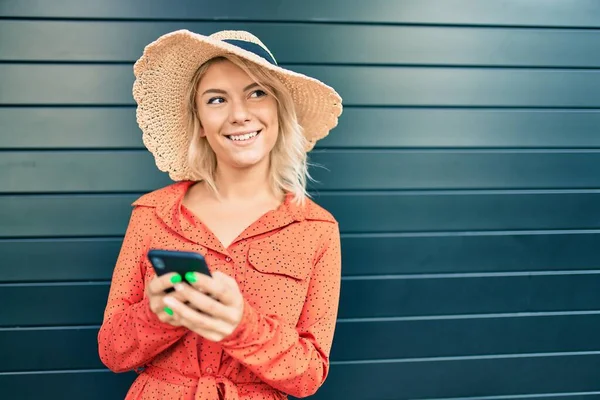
{"type": "Point", "coordinates": [208, 387]}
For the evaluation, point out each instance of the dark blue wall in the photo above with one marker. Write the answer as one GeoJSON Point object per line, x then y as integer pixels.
{"type": "Point", "coordinates": [465, 174]}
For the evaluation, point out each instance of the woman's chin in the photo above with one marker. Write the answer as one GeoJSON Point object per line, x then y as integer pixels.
{"type": "Point", "coordinates": [248, 161]}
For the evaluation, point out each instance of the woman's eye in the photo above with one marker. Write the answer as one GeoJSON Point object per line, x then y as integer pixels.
{"type": "Point", "coordinates": [215, 100]}
{"type": "Point", "coordinates": [258, 93]}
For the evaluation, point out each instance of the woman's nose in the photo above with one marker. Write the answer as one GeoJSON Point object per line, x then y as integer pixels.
{"type": "Point", "coordinates": [239, 112]}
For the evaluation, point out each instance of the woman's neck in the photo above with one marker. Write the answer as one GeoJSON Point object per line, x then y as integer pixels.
{"type": "Point", "coordinates": [234, 184]}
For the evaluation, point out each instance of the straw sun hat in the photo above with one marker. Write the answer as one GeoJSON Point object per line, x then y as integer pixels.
{"type": "Point", "coordinates": [165, 70]}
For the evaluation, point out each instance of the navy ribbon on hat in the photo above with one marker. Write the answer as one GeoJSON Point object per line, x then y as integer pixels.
{"type": "Point", "coordinates": [252, 48]}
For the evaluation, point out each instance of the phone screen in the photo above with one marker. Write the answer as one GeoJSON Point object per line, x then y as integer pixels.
{"type": "Point", "coordinates": [181, 262]}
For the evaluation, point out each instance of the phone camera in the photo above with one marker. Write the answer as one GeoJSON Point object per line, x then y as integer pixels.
{"type": "Point", "coordinates": [158, 263]}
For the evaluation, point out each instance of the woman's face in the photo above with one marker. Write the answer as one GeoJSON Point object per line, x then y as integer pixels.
{"type": "Point", "coordinates": [237, 117]}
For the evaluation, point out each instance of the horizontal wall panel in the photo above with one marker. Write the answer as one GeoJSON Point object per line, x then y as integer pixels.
{"type": "Point", "coordinates": [58, 84]}
{"type": "Point", "coordinates": [391, 297]}
{"type": "Point", "coordinates": [389, 127]}
{"type": "Point", "coordinates": [135, 171]}
{"type": "Point", "coordinates": [66, 84]}
{"type": "Point", "coordinates": [468, 253]}
{"type": "Point", "coordinates": [390, 170]}
{"type": "Point", "coordinates": [372, 381]}
{"type": "Point", "coordinates": [464, 337]}
{"type": "Point", "coordinates": [394, 212]}
{"type": "Point", "coordinates": [100, 385]}
{"type": "Point", "coordinates": [59, 260]}
{"type": "Point", "coordinates": [93, 215]}
{"type": "Point", "coordinates": [64, 215]}
{"type": "Point", "coordinates": [102, 127]}
{"type": "Point", "coordinates": [56, 127]}
{"type": "Point", "coordinates": [386, 298]}
{"type": "Point", "coordinates": [94, 259]}
{"type": "Point", "coordinates": [470, 12]}
{"type": "Point", "coordinates": [130, 171]}
{"type": "Point", "coordinates": [462, 378]}
{"type": "Point", "coordinates": [57, 304]}
{"type": "Point", "coordinates": [46, 41]}
{"type": "Point", "coordinates": [29, 349]}
{"type": "Point", "coordinates": [461, 87]}
{"type": "Point", "coordinates": [560, 396]}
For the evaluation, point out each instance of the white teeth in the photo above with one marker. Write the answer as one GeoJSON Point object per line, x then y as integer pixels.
{"type": "Point", "coordinates": [246, 136]}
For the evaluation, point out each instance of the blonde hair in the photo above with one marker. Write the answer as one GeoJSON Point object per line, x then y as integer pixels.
{"type": "Point", "coordinates": [288, 160]}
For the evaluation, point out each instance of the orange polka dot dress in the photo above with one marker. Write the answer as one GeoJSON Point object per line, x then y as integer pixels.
{"type": "Point", "coordinates": [288, 267]}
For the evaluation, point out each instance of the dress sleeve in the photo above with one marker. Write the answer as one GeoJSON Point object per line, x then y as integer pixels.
{"type": "Point", "coordinates": [131, 334]}
{"type": "Point", "coordinates": [294, 360]}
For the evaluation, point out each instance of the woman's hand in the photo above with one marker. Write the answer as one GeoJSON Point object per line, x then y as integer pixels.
{"type": "Point", "coordinates": [155, 290]}
{"type": "Point", "coordinates": [215, 305]}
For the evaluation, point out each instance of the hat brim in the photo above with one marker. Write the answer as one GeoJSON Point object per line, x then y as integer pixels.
{"type": "Point", "coordinates": [163, 75]}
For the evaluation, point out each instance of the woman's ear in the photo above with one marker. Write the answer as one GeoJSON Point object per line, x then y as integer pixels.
{"type": "Point", "coordinates": [201, 132]}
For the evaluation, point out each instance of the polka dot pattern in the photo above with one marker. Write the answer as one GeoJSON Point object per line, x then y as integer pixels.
{"type": "Point", "coordinates": [288, 267]}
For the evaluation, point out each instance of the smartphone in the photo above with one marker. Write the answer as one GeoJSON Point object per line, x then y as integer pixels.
{"type": "Point", "coordinates": [166, 261]}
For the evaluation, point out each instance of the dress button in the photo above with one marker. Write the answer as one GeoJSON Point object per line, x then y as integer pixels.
{"type": "Point", "coordinates": [228, 259]}
{"type": "Point", "coordinates": [209, 370]}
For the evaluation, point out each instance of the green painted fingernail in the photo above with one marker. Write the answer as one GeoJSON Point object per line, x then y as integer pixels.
{"type": "Point", "coordinates": [190, 277]}
{"type": "Point", "coordinates": [168, 311]}
{"type": "Point", "coordinates": [176, 278]}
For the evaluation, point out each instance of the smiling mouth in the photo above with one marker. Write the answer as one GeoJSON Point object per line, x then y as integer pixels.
{"type": "Point", "coordinates": [243, 137]}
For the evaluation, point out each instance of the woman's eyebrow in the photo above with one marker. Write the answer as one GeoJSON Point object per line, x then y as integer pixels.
{"type": "Point", "coordinates": [250, 86]}
{"type": "Point", "coordinates": [214, 91]}
{"type": "Point", "coordinates": [221, 91]}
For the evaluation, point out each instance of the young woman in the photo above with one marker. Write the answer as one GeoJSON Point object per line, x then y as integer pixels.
{"type": "Point", "coordinates": [232, 128]}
